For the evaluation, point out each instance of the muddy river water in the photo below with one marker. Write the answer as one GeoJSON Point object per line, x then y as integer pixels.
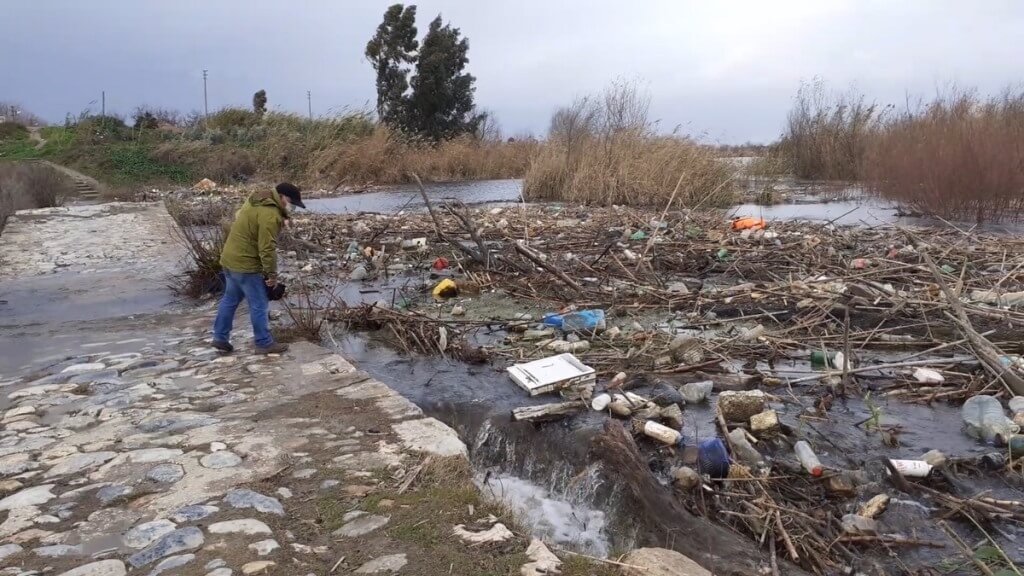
{"type": "Point", "coordinates": [547, 473]}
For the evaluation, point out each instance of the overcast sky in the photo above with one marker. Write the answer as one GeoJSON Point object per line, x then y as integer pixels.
{"type": "Point", "coordinates": [726, 71]}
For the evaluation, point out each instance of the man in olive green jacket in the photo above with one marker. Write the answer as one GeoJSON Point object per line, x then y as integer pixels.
{"type": "Point", "coordinates": [249, 260]}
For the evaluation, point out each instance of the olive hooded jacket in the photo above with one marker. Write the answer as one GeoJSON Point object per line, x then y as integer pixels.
{"type": "Point", "coordinates": [252, 242]}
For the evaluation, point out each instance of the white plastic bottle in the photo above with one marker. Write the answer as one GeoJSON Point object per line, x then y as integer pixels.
{"type": "Point", "coordinates": [808, 459]}
{"type": "Point", "coordinates": [985, 420]}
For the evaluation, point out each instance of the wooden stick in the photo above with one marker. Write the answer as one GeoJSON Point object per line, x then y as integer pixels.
{"type": "Point", "coordinates": [535, 257]}
{"type": "Point", "coordinates": [413, 474]}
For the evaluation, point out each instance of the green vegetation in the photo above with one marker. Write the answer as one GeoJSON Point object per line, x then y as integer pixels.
{"type": "Point", "coordinates": [439, 105]}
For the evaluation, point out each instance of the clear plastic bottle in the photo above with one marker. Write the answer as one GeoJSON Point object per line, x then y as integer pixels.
{"type": "Point", "coordinates": [984, 419]}
{"type": "Point", "coordinates": [808, 459]}
{"type": "Point", "coordinates": [742, 449]}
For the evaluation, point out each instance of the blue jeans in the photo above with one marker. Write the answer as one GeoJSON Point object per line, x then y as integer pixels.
{"type": "Point", "coordinates": [250, 286]}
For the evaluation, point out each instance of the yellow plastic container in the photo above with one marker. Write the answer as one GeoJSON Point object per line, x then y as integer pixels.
{"type": "Point", "coordinates": [446, 288]}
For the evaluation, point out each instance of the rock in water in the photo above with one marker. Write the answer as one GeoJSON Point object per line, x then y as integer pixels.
{"type": "Point", "coordinates": [101, 568]}
{"type": "Point", "coordinates": [171, 543]}
{"type": "Point", "coordinates": [660, 562]}
{"type": "Point", "coordinates": [241, 498]}
{"type": "Point", "coordinates": [740, 406]}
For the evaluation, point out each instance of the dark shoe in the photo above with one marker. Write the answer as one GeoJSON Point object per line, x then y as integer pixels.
{"type": "Point", "coordinates": [223, 346]}
{"type": "Point", "coordinates": [275, 348]}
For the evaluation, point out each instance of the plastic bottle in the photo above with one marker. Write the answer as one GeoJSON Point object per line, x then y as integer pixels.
{"type": "Point", "coordinates": [984, 419]}
{"type": "Point", "coordinates": [661, 433]}
{"type": "Point", "coordinates": [807, 458]}
{"type": "Point", "coordinates": [696, 392]}
{"type": "Point", "coordinates": [742, 449]}
{"type": "Point", "coordinates": [912, 468]}
{"type": "Point", "coordinates": [600, 402]}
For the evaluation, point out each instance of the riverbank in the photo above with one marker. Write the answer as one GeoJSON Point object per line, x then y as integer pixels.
{"type": "Point", "coordinates": [129, 444]}
{"type": "Point", "coordinates": [750, 310]}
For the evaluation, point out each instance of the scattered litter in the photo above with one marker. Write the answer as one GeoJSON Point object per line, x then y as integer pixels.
{"type": "Point", "coordinates": [496, 533]}
{"type": "Point", "coordinates": [808, 459]}
{"type": "Point", "coordinates": [446, 288]}
{"type": "Point", "coordinates": [928, 376]}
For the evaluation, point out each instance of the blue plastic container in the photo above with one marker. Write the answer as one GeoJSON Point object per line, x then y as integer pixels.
{"type": "Point", "coordinates": [713, 458]}
{"type": "Point", "coordinates": [580, 321]}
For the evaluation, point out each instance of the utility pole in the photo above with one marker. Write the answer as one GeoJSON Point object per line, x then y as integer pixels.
{"type": "Point", "coordinates": [103, 106]}
{"type": "Point", "coordinates": [206, 103]}
{"type": "Point", "coordinates": [309, 100]}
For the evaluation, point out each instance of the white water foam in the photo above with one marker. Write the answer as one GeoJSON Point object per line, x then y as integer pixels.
{"type": "Point", "coordinates": [551, 519]}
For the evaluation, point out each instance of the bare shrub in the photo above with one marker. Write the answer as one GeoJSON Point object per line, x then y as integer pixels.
{"type": "Point", "coordinates": [202, 228]}
{"type": "Point", "coordinates": [958, 156]}
{"type": "Point", "coordinates": [827, 133]}
{"type": "Point", "coordinates": [16, 113]}
{"type": "Point", "coordinates": [25, 185]}
{"type": "Point", "coordinates": [606, 150]}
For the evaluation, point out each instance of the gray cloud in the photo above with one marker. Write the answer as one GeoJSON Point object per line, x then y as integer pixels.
{"type": "Point", "coordinates": [724, 70]}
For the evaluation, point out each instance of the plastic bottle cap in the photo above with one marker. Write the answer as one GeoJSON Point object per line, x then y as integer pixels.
{"type": "Point", "coordinates": [816, 471]}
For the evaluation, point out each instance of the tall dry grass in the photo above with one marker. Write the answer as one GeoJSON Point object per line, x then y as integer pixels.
{"type": "Point", "coordinates": [827, 133]}
{"type": "Point", "coordinates": [25, 185]}
{"type": "Point", "coordinates": [389, 157]}
{"type": "Point", "coordinates": [605, 150]}
{"type": "Point", "coordinates": [959, 156]}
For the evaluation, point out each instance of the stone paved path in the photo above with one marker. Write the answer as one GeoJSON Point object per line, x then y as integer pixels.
{"type": "Point", "coordinates": [133, 447]}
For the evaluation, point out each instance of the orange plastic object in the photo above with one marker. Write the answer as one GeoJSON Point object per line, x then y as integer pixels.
{"type": "Point", "coordinates": [749, 224]}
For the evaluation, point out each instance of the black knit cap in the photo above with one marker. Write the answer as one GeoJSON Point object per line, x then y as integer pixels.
{"type": "Point", "coordinates": [292, 192]}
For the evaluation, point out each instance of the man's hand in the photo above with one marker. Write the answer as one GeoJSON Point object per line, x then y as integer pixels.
{"type": "Point", "coordinates": [270, 282]}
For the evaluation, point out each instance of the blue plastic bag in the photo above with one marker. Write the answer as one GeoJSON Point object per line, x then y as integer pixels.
{"type": "Point", "coordinates": [579, 321]}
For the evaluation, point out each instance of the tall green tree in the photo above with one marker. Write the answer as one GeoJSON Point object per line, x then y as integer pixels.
{"type": "Point", "coordinates": [441, 104]}
{"type": "Point", "coordinates": [259, 102]}
{"type": "Point", "coordinates": [391, 51]}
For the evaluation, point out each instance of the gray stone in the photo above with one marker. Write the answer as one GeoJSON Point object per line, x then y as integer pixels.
{"type": "Point", "coordinates": [363, 524]}
{"type": "Point", "coordinates": [264, 547]}
{"type": "Point", "coordinates": [221, 459]}
{"type": "Point", "coordinates": [214, 564]}
{"type": "Point", "coordinates": [108, 494]}
{"type": "Point", "coordinates": [19, 411]}
{"type": "Point", "coordinates": [284, 492]}
{"type": "Point", "coordinates": [9, 550]}
{"type": "Point", "coordinates": [168, 473]}
{"type": "Point", "coordinates": [58, 551]}
{"type": "Point", "coordinates": [660, 562]}
{"type": "Point", "coordinates": [150, 455]}
{"type": "Point", "coordinates": [83, 368]}
{"type": "Point", "coordinates": [97, 377]}
{"type": "Point", "coordinates": [304, 473]}
{"type": "Point", "coordinates": [328, 484]}
{"type": "Point", "coordinates": [78, 462]}
{"type": "Point", "coordinates": [220, 572]}
{"type": "Point", "coordinates": [175, 422]}
{"type": "Point", "coordinates": [193, 513]}
{"type": "Point", "coordinates": [33, 496]}
{"type": "Point", "coordinates": [179, 540]}
{"type": "Point", "coordinates": [241, 498]}
{"type": "Point", "coordinates": [172, 562]}
{"type": "Point", "coordinates": [248, 526]}
{"type": "Point", "coordinates": [257, 567]}
{"type": "Point", "coordinates": [431, 436]}
{"type": "Point", "coordinates": [389, 563]}
{"type": "Point", "coordinates": [16, 464]}
{"type": "Point", "coordinates": [144, 534]}
{"type": "Point", "coordinates": [101, 568]}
